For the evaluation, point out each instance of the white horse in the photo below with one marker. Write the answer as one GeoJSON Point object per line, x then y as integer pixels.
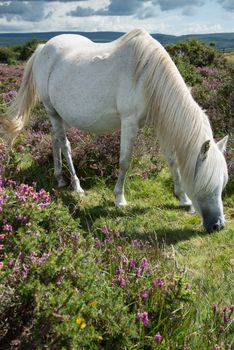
{"type": "Point", "coordinates": [124, 85]}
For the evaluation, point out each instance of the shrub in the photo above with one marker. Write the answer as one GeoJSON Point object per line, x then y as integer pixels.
{"type": "Point", "coordinates": [7, 55]}
{"type": "Point", "coordinates": [196, 53]}
{"type": "Point", "coordinates": [215, 95]}
{"type": "Point", "coordinates": [26, 50]}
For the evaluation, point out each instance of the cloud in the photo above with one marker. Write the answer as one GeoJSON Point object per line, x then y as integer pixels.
{"type": "Point", "coordinates": [122, 7]}
{"type": "Point", "coordinates": [141, 9]}
{"type": "Point", "coordinates": [27, 11]}
{"type": "Point", "coordinates": [114, 8]}
{"type": "Point", "coordinates": [167, 5]}
{"type": "Point", "coordinates": [82, 12]}
{"type": "Point", "coordinates": [227, 4]}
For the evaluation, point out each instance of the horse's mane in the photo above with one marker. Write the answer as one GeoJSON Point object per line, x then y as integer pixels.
{"type": "Point", "coordinates": [177, 119]}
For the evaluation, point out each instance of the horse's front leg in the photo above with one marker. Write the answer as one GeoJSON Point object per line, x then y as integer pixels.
{"type": "Point", "coordinates": [185, 202]}
{"type": "Point", "coordinates": [129, 129]}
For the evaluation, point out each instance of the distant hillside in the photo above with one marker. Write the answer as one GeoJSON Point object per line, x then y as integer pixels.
{"type": "Point", "coordinates": [223, 41]}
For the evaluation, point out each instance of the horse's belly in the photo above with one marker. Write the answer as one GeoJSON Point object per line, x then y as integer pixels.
{"type": "Point", "coordinates": [85, 96]}
{"type": "Point", "coordinates": [97, 124]}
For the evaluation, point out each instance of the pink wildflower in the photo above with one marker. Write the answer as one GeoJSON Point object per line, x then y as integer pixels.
{"type": "Point", "coordinates": [158, 337]}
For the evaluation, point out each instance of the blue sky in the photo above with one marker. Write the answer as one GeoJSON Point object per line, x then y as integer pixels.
{"type": "Point", "coordinates": [156, 16]}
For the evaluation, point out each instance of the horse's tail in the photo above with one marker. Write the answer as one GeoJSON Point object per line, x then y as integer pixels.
{"type": "Point", "coordinates": [17, 115]}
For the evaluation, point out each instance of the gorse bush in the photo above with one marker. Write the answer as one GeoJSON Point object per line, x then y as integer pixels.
{"type": "Point", "coordinates": [18, 53]}
{"type": "Point", "coordinates": [7, 55]}
{"type": "Point", "coordinates": [196, 53]}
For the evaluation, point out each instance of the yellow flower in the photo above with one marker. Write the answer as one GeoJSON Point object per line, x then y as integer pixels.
{"type": "Point", "coordinates": [100, 337]}
{"type": "Point", "coordinates": [93, 303]}
{"type": "Point", "coordinates": [83, 325]}
{"type": "Point", "coordinates": [79, 320]}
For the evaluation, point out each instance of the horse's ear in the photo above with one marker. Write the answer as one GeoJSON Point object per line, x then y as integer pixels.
{"type": "Point", "coordinates": [204, 150]}
{"type": "Point", "coordinates": [222, 144]}
{"type": "Point", "coordinates": [202, 155]}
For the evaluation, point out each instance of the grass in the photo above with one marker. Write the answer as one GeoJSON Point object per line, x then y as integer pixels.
{"type": "Point", "coordinates": [229, 56]}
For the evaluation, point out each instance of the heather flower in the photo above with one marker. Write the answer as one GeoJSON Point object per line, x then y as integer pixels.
{"type": "Point", "coordinates": [138, 272]}
{"type": "Point", "coordinates": [132, 263]}
{"type": "Point", "coordinates": [105, 230]}
{"type": "Point", "coordinates": [158, 283]}
{"type": "Point", "coordinates": [98, 243]}
{"type": "Point", "coordinates": [188, 286]}
{"type": "Point", "coordinates": [2, 236]}
{"type": "Point", "coordinates": [158, 337]}
{"type": "Point", "coordinates": [8, 96]}
{"type": "Point", "coordinates": [207, 71]}
{"type": "Point", "coordinates": [216, 347]}
{"type": "Point", "coordinates": [11, 263]}
{"type": "Point", "coordinates": [221, 328]}
{"type": "Point", "coordinates": [124, 260]}
{"type": "Point", "coordinates": [144, 295]}
{"type": "Point", "coordinates": [144, 264]}
{"type": "Point", "coordinates": [19, 217]}
{"type": "Point", "coordinates": [121, 280]}
{"type": "Point", "coordinates": [143, 316]}
{"type": "Point", "coordinates": [7, 228]}
{"type": "Point", "coordinates": [211, 83]}
{"type": "Point", "coordinates": [227, 319]}
{"type": "Point", "coordinates": [25, 271]}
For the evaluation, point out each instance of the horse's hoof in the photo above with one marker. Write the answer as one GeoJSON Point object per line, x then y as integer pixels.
{"type": "Point", "coordinates": [62, 183]}
{"type": "Point", "coordinates": [81, 194]}
{"type": "Point", "coordinates": [80, 191]}
{"type": "Point", "coordinates": [188, 207]}
{"type": "Point", "coordinates": [121, 202]}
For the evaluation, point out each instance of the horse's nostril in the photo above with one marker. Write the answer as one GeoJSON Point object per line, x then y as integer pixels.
{"type": "Point", "coordinates": [216, 227]}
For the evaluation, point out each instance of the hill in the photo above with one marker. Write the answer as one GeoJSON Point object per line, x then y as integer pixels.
{"type": "Point", "coordinates": [223, 41]}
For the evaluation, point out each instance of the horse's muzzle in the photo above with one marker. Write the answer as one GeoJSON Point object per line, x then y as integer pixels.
{"type": "Point", "coordinates": [214, 225]}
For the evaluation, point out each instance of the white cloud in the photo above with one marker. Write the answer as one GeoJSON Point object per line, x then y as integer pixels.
{"type": "Point", "coordinates": [156, 16]}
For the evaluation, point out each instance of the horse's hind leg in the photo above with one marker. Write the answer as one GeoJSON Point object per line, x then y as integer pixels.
{"type": "Point", "coordinates": [62, 145]}
{"type": "Point", "coordinates": [57, 157]}
{"type": "Point", "coordinates": [57, 161]}
{"type": "Point", "coordinates": [129, 129]}
{"type": "Point", "coordinates": [185, 202]}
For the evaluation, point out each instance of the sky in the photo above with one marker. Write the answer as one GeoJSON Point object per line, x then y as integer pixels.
{"type": "Point", "coordinates": [174, 17]}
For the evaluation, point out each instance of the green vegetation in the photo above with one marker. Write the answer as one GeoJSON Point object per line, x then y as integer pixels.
{"type": "Point", "coordinates": [78, 273]}
{"type": "Point", "coordinates": [18, 53]}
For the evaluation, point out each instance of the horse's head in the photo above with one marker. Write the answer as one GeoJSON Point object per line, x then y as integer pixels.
{"type": "Point", "coordinates": [210, 178]}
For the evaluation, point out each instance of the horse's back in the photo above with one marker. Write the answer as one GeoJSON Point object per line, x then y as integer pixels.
{"type": "Point", "coordinates": [63, 51]}
{"type": "Point", "coordinates": [89, 84]}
